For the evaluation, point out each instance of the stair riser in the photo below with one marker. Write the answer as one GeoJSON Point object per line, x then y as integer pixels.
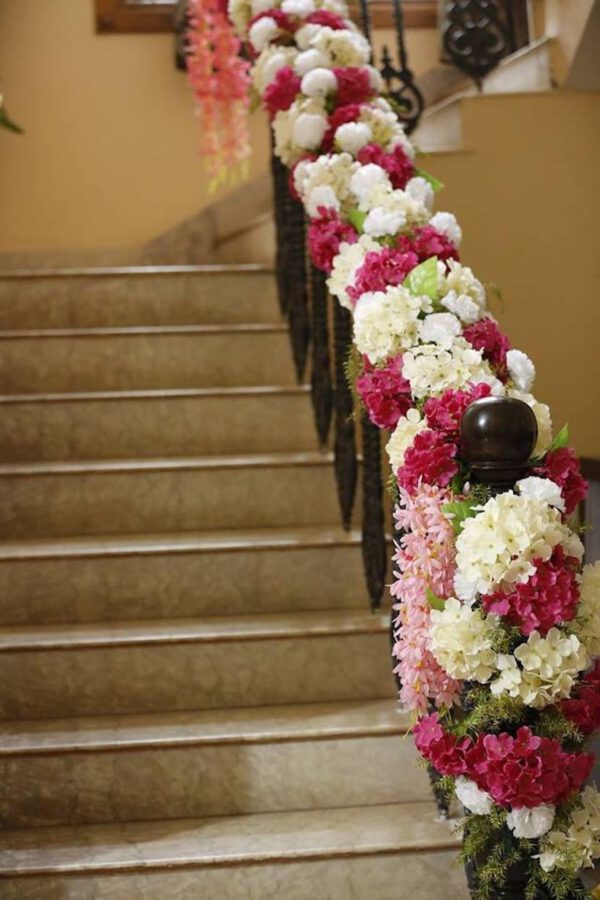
{"type": "Point", "coordinates": [171, 426]}
{"type": "Point", "coordinates": [96, 302]}
{"type": "Point", "coordinates": [418, 875]}
{"type": "Point", "coordinates": [118, 362]}
{"type": "Point", "coordinates": [180, 585]}
{"type": "Point", "coordinates": [162, 677]}
{"type": "Point", "coordinates": [171, 500]}
{"type": "Point", "coordinates": [208, 781]}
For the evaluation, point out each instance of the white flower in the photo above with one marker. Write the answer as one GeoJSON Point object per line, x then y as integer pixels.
{"type": "Point", "coordinates": [587, 623]}
{"type": "Point", "coordinates": [263, 32]}
{"type": "Point", "coordinates": [334, 170]}
{"type": "Point", "coordinates": [310, 59]}
{"type": "Point", "coordinates": [318, 83]}
{"type": "Point", "coordinates": [578, 845]}
{"type": "Point", "coordinates": [460, 638]}
{"type": "Point", "coordinates": [420, 189]}
{"type": "Point", "coordinates": [497, 546]}
{"type": "Point", "coordinates": [520, 369]}
{"type": "Point", "coordinates": [383, 122]}
{"type": "Point", "coordinates": [403, 437]}
{"type": "Point", "coordinates": [381, 222]}
{"type": "Point", "coordinates": [432, 369]}
{"type": "Point", "coordinates": [385, 322]}
{"type": "Point", "coordinates": [542, 415]}
{"type": "Point", "coordinates": [342, 46]}
{"type": "Point", "coordinates": [542, 488]}
{"type": "Point", "coordinates": [323, 195]}
{"type": "Point", "coordinates": [301, 173]}
{"type": "Point", "coordinates": [549, 667]}
{"type": "Point", "coordinates": [365, 180]}
{"type": "Point", "coordinates": [304, 35]}
{"type": "Point", "coordinates": [352, 136]}
{"type": "Point", "coordinates": [308, 130]}
{"type": "Point", "coordinates": [446, 223]}
{"type": "Point", "coordinates": [439, 328]}
{"type": "Point", "coordinates": [472, 797]}
{"type": "Point", "coordinates": [463, 307]}
{"type": "Point", "coordinates": [240, 13]}
{"type": "Point", "coordinates": [345, 264]}
{"type": "Point", "coordinates": [299, 8]}
{"type": "Point", "coordinates": [269, 63]}
{"type": "Point", "coordinates": [461, 292]}
{"type": "Point", "coordinates": [375, 79]}
{"type": "Point", "coordinates": [531, 823]}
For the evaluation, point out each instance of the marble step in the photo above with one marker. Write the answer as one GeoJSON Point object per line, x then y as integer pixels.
{"type": "Point", "coordinates": [385, 852]}
{"type": "Point", "coordinates": [130, 424]}
{"type": "Point", "coordinates": [173, 356]}
{"type": "Point", "coordinates": [206, 763]}
{"type": "Point", "coordinates": [157, 495]}
{"type": "Point", "coordinates": [115, 577]}
{"type": "Point", "coordinates": [182, 664]}
{"type": "Point", "coordinates": [145, 295]}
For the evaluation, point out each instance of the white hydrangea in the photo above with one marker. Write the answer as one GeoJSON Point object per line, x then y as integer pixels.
{"type": "Point", "coordinates": [240, 12]}
{"type": "Point", "coordinates": [308, 130]}
{"type": "Point", "coordinates": [268, 65]}
{"type": "Point", "coordinates": [432, 369]}
{"type": "Point", "coordinates": [472, 797]}
{"type": "Point", "coordinates": [463, 307]}
{"type": "Point", "coordinates": [386, 322]}
{"type": "Point", "coordinates": [345, 263]}
{"type": "Point", "coordinates": [318, 83]}
{"type": "Point", "coordinates": [343, 46]}
{"type": "Point", "coordinates": [460, 638]}
{"type": "Point", "coordinates": [439, 328]}
{"type": "Point", "coordinates": [304, 35]}
{"type": "Point", "coordinates": [446, 223]}
{"type": "Point", "coordinates": [299, 128]}
{"type": "Point", "coordinates": [543, 419]}
{"type": "Point", "coordinates": [531, 823]}
{"type": "Point", "coordinates": [300, 8]}
{"type": "Point", "coordinates": [543, 669]}
{"type": "Point", "coordinates": [331, 170]}
{"type": "Point", "coordinates": [263, 32]}
{"type": "Point", "coordinates": [420, 189]}
{"type": "Point", "coordinates": [587, 623]}
{"type": "Point", "coordinates": [352, 136]}
{"type": "Point", "coordinates": [383, 122]}
{"type": "Point", "coordinates": [365, 180]}
{"type": "Point", "coordinates": [520, 369]}
{"type": "Point", "coordinates": [390, 211]}
{"type": "Point", "coordinates": [542, 488]}
{"type": "Point", "coordinates": [461, 293]}
{"type": "Point", "coordinates": [322, 195]}
{"type": "Point", "coordinates": [403, 437]}
{"type": "Point", "coordinates": [578, 846]}
{"type": "Point", "coordinates": [311, 59]}
{"type": "Point", "coordinates": [381, 222]}
{"type": "Point", "coordinates": [496, 547]}
{"type": "Point", "coordinates": [375, 79]}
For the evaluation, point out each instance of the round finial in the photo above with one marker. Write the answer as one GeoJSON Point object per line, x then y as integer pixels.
{"type": "Point", "coordinates": [498, 435]}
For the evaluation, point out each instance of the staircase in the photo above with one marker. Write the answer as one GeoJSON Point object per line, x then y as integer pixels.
{"type": "Point", "coordinates": [195, 701]}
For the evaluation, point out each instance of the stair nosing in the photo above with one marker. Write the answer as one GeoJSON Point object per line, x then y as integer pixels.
{"type": "Point", "coordinates": [135, 271]}
{"type": "Point", "coordinates": [158, 394]}
{"type": "Point", "coordinates": [136, 331]}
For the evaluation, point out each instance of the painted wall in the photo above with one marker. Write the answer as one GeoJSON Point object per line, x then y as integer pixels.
{"type": "Point", "coordinates": [109, 158]}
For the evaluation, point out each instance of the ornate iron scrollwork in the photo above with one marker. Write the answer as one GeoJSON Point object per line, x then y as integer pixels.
{"type": "Point", "coordinates": [399, 79]}
{"type": "Point", "coordinates": [476, 36]}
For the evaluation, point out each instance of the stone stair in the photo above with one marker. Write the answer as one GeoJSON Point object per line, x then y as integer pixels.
{"type": "Point", "coordinates": [196, 701]}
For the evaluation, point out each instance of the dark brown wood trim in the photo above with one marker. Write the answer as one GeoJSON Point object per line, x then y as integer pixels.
{"type": "Point", "coordinates": [121, 16]}
{"type": "Point", "coordinates": [590, 468]}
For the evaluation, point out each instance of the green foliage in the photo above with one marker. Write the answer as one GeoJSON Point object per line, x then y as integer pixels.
{"type": "Point", "coordinates": [561, 439]}
{"type": "Point", "coordinates": [505, 637]}
{"type": "Point", "coordinates": [489, 713]}
{"type": "Point", "coordinates": [435, 183]}
{"type": "Point", "coordinates": [7, 122]}
{"type": "Point", "coordinates": [423, 279]}
{"type": "Point", "coordinates": [551, 723]}
{"type": "Point", "coordinates": [457, 511]}
{"type": "Point", "coordinates": [562, 884]}
{"type": "Point", "coordinates": [479, 494]}
{"type": "Point", "coordinates": [434, 601]}
{"type": "Point", "coordinates": [357, 218]}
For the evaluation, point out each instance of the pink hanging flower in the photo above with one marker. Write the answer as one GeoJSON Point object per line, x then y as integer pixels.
{"type": "Point", "coordinates": [282, 91]}
{"type": "Point", "coordinates": [380, 269]}
{"type": "Point", "coordinates": [385, 393]}
{"type": "Point", "coordinates": [396, 163]}
{"type": "Point", "coordinates": [353, 85]}
{"type": "Point", "coordinates": [444, 413]}
{"type": "Point", "coordinates": [549, 597]}
{"type": "Point", "coordinates": [325, 234]}
{"type": "Point", "coordinates": [430, 459]}
{"type": "Point", "coordinates": [486, 336]}
{"type": "Point", "coordinates": [562, 467]}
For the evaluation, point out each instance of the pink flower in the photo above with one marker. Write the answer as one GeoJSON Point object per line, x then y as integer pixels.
{"type": "Point", "coordinates": [549, 597]}
{"type": "Point", "coordinates": [385, 393]}
{"type": "Point", "coordinates": [325, 234]}
{"type": "Point", "coordinates": [485, 335]}
{"type": "Point", "coordinates": [526, 770]}
{"type": "Point", "coordinates": [562, 467]}
{"type": "Point", "coordinates": [445, 752]}
{"type": "Point", "coordinates": [353, 85]}
{"type": "Point", "coordinates": [329, 19]}
{"type": "Point", "coordinates": [583, 709]}
{"type": "Point", "coordinates": [282, 91]}
{"type": "Point", "coordinates": [285, 22]}
{"type": "Point", "coordinates": [430, 459]}
{"type": "Point", "coordinates": [340, 116]}
{"type": "Point", "coordinates": [427, 242]}
{"type": "Point", "coordinates": [379, 269]}
{"type": "Point", "coordinates": [444, 413]}
{"type": "Point", "coordinates": [396, 163]}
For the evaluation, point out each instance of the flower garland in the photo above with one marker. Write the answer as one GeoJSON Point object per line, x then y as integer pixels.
{"type": "Point", "coordinates": [219, 79]}
{"type": "Point", "coordinates": [497, 621]}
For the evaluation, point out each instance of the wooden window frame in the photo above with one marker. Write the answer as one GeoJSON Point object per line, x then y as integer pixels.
{"type": "Point", "coordinates": [120, 17]}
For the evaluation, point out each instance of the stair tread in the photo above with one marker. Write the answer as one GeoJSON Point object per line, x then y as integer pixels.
{"type": "Point", "coordinates": [227, 840]}
{"type": "Point", "coordinates": [87, 466]}
{"type": "Point", "coordinates": [145, 331]}
{"type": "Point", "coordinates": [128, 271]}
{"type": "Point", "coordinates": [178, 631]}
{"type": "Point", "coordinates": [272, 724]}
{"type": "Point", "coordinates": [158, 394]}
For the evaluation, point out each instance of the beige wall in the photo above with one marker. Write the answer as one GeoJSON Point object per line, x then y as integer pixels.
{"type": "Point", "coordinates": [527, 194]}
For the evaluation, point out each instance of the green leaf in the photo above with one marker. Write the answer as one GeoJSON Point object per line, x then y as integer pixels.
{"type": "Point", "coordinates": [434, 601]}
{"type": "Point", "coordinates": [457, 511]}
{"type": "Point", "coordinates": [357, 218]}
{"type": "Point", "coordinates": [423, 280]}
{"type": "Point", "coordinates": [561, 439]}
{"type": "Point", "coordinates": [7, 123]}
{"type": "Point", "coordinates": [435, 183]}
